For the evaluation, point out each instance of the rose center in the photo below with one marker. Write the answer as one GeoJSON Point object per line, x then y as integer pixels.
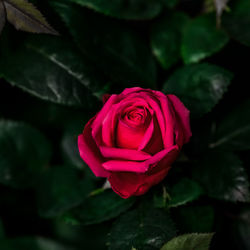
{"type": "Point", "coordinates": [132, 126]}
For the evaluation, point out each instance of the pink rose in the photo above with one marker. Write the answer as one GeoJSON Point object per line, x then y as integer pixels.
{"type": "Point", "coordinates": [134, 139]}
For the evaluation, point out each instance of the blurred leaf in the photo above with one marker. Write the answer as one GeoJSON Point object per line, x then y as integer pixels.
{"type": "Point", "coordinates": [201, 39]}
{"type": "Point", "coordinates": [233, 132]}
{"type": "Point", "coordinates": [70, 151]}
{"type": "Point", "coordinates": [103, 206]}
{"type": "Point", "coordinates": [240, 228]}
{"type": "Point", "coordinates": [194, 218]}
{"type": "Point", "coordinates": [166, 38]}
{"type": "Point", "coordinates": [199, 86]}
{"type": "Point", "coordinates": [144, 228]}
{"type": "Point", "coordinates": [24, 16]}
{"type": "Point", "coordinates": [124, 9]}
{"type": "Point", "coordinates": [52, 69]}
{"type": "Point", "coordinates": [24, 151]}
{"type": "Point", "coordinates": [237, 21]}
{"type": "Point", "coordinates": [61, 189]}
{"type": "Point", "coordinates": [115, 49]}
{"type": "Point", "coordinates": [2, 16]}
{"type": "Point", "coordinates": [183, 192]}
{"type": "Point", "coordinates": [170, 3]}
{"type": "Point", "coordinates": [189, 242]}
{"type": "Point", "coordinates": [37, 243]}
{"type": "Point", "coordinates": [222, 176]}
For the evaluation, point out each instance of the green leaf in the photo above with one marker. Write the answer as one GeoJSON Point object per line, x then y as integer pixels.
{"type": "Point", "coordinates": [103, 206]}
{"type": "Point", "coordinates": [124, 9]}
{"type": "Point", "coordinates": [143, 228]}
{"type": "Point", "coordinates": [194, 218]}
{"type": "Point", "coordinates": [233, 132]}
{"type": "Point", "coordinates": [70, 151]}
{"type": "Point", "coordinates": [199, 86]}
{"type": "Point", "coordinates": [183, 192]}
{"type": "Point", "coordinates": [38, 243]}
{"type": "Point", "coordinates": [24, 151]}
{"type": "Point", "coordinates": [24, 16]}
{"type": "Point", "coordinates": [166, 38]}
{"type": "Point", "coordinates": [61, 189]}
{"type": "Point", "coordinates": [189, 242]}
{"type": "Point", "coordinates": [170, 3]}
{"type": "Point", "coordinates": [113, 47]}
{"type": "Point", "coordinates": [201, 39]}
{"type": "Point", "coordinates": [2, 16]}
{"type": "Point", "coordinates": [222, 176]}
{"type": "Point", "coordinates": [65, 78]}
{"type": "Point", "coordinates": [237, 21]}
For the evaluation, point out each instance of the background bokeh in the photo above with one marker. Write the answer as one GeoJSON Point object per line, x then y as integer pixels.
{"type": "Point", "coordinates": [52, 84]}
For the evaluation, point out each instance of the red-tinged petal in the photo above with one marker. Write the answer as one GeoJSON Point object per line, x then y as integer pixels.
{"type": "Point", "coordinates": [155, 143]}
{"type": "Point", "coordinates": [169, 116]}
{"type": "Point", "coordinates": [90, 153]}
{"type": "Point", "coordinates": [97, 123]}
{"type": "Point", "coordinates": [125, 166]}
{"type": "Point", "coordinates": [128, 137]}
{"type": "Point", "coordinates": [133, 184]}
{"type": "Point", "coordinates": [142, 166]}
{"type": "Point", "coordinates": [155, 105]}
{"type": "Point", "coordinates": [183, 115]}
{"type": "Point", "coordinates": [124, 154]}
{"type": "Point", "coordinates": [147, 136]}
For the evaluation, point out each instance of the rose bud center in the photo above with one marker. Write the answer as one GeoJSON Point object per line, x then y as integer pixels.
{"type": "Point", "coordinates": [131, 127]}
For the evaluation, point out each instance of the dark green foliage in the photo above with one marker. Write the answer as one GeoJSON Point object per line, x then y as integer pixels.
{"type": "Point", "coordinates": [109, 43]}
{"type": "Point", "coordinates": [136, 10]}
{"type": "Point", "coordinates": [183, 192]}
{"type": "Point", "coordinates": [99, 207]}
{"type": "Point", "coordinates": [189, 242]}
{"type": "Point", "coordinates": [199, 86]}
{"type": "Point", "coordinates": [236, 22]}
{"type": "Point", "coordinates": [145, 228]}
{"type": "Point", "coordinates": [166, 38]}
{"type": "Point", "coordinates": [201, 39]}
{"type": "Point", "coordinates": [24, 153]}
{"type": "Point", "coordinates": [61, 189]}
{"type": "Point", "coordinates": [233, 131]}
{"type": "Point", "coordinates": [68, 76]}
{"type": "Point", "coordinates": [51, 84]}
{"type": "Point", "coordinates": [194, 218]}
{"type": "Point", "coordinates": [223, 176]}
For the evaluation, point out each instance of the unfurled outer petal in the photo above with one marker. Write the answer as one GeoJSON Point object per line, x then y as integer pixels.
{"type": "Point", "coordinates": [90, 153]}
{"type": "Point", "coordinates": [132, 184]}
{"type": "Point", "coordinates": [182, 117]}
{"type": "Point", "coordinates": [141, 166]}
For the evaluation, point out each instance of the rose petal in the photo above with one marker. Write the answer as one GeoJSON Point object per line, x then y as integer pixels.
{"type": "Point", "coordinates": [169, 116]}
{"type": "Point", "coordinates": [140, 167]}
{"type": "Point", "coordinates": [90, 153]}
{"type": "Point", "coordinates": [96, 125]}
{"type": "Point", "coordinates": [147, 136]}
{"type": "Point", "coordinates": [125, 154]}
{"type": "Point", "coordinates": [128, 137]}
{"type": "Point", "coordinates": [125, 166]}
{"type": "Point", "coordinates": [183, 116]}
{"type": "Point", "coordinates": [155, 105]}
{"type": "Point", "coordinates": [155, 143]}
{"type": "Point", "coordinates": [133, 184]}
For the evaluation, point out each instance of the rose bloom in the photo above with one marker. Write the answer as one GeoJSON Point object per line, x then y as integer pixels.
{"type": "Point", "coordinates": [134, 139]}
